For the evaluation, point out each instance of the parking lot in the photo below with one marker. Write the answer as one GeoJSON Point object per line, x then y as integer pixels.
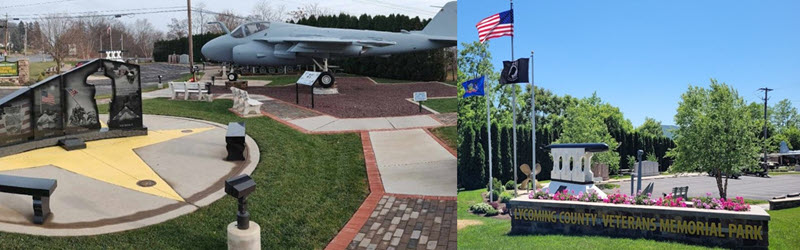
{"type": "Point", "coordinates": [749, 187]}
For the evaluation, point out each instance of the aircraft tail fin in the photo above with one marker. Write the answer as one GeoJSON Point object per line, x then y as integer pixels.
{"type": "Point", "coordinates": [784, 148]}
{"type": "Point", "coordinates": [444, 23]}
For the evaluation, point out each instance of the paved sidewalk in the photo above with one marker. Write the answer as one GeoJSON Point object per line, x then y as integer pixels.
{"type": "Point", "coordinates": [409, 223]}
{"type": "Point", "coordinates": [412, 162]}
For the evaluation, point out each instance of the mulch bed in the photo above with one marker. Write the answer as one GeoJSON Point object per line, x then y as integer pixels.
{"type": "Point", "coordinates": [359, 97]}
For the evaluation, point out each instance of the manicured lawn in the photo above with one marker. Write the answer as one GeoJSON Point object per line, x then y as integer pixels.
{"type": "Point", "coordinates": [277, 80]}
{"type": "Point", "coordinates": [493, 233]}
{"type": "Point", "coordinates": [442, 105]}
{"type": "Point", "coordinates": [448, 134]}
{"type": "Point", "coordinates": [308, 188]}
{"type": "Point", "coordinates": [782, 173]}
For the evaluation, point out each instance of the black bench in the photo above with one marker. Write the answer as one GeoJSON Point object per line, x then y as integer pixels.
{"type": "Point", "coordinates": [680, 192]}
{"type": "Point", "coordinates": [234, 140]}
{"type": "Point", "coordinates": [39, 188]}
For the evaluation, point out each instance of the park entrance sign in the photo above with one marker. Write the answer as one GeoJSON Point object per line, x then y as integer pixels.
{"type": "Point", "coordinates": [63, 106]}
{"type": "Point", "coordinates": [533, 214]}
{"type": "Point", "coordinates": [720, 228]}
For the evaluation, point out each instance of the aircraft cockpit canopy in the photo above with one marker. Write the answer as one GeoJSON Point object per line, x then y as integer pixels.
{"type": "Point", "coordinates": [248, 29]}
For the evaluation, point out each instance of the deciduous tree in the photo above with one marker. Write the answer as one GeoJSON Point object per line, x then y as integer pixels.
{"type": "Point", "coordinates": [715, 133]}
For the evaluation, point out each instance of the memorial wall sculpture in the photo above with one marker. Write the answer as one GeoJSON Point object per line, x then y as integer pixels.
{"type": "Point", "coordinates": [64, 106]}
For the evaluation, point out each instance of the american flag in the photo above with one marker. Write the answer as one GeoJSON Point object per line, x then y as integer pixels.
{"type": "Point", "coordinates": [497, 25]}
{"type": "Point", "coordinates": [72, 92]}
{"type": "Point", "coordinates": [47, 98]}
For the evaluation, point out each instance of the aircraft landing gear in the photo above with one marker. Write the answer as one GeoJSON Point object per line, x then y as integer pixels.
{"type": "Point", "coordinates": [232, 76]}
{"type": "Point", "coordinates": [326, 79]}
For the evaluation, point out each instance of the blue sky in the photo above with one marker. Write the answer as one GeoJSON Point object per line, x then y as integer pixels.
{"type": "Point", "coordinates": [642, 55]}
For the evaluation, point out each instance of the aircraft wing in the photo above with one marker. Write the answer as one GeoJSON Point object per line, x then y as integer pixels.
{"type": "Point", "coordinates": [326, 42]}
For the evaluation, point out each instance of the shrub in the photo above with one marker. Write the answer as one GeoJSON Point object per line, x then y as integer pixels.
{"type": "Point", "coordinates": [496, 185]}
{"type": "Point", "coordinates": [496, 194]}
{"type": "Point", "coordinates": [642, 199]}
{"type": "Point", "coordinates": [492, 212]}
{"type": "Point", "coordinates": [564, 196]}
{"type": "Point", "coordinates": [590, 196]}
{"type": "Point", "coordinates": [480, 208]}
{"type": "Point", "coordinates": [707, 202]}
{"type": "Point", "coordinates": [540, 194]}
{"type": "Point", "coordinates": [510, 185]}
{"type": "Point", "coordinates": [618, 198]}
{"type": "Point", "coordinates": [505, 197]}
{"type": "Point", "coordinates": [670, 201]}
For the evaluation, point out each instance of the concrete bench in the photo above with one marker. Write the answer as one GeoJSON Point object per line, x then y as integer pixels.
{"type": "Point", "coordinates": [39, 188]}
{"type": "Point", "coordinates": [234, 141]}
{"type": "Point", "coordinates": [243, 104]}
{"type": "Point", "coordinates": [188, 89]}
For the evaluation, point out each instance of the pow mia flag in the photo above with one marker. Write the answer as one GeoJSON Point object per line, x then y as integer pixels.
{"type": "Point", "coordinates": [514, 71]}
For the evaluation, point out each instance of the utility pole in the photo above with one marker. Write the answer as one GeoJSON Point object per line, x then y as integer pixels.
{"type": "Point", "coordinates": [191, 47]}
{"type": "Point", "coordinates": [766, 90]}
{"type": "Point", "coordinates": [5, 41]}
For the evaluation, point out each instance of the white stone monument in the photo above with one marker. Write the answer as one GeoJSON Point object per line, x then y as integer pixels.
{"type": "Point", "coordinates": [572, 167]}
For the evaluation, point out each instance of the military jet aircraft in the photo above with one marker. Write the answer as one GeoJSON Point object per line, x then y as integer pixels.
{"type": "Point", "coordinates": [276, 44]}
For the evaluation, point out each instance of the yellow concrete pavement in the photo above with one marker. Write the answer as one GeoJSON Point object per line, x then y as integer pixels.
{"type": "Point", "coordinates": [111, 160]}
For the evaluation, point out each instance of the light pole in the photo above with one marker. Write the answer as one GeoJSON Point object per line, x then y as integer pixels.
{"type": "Point", "coordinates": [191, 47]}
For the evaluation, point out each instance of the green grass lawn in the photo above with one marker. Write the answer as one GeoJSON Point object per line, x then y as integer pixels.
{"type": "Point", "coordinates": [493, 233]}
{"type": "Point", "coordinates": [442, 105]}
{"type": "Point", "coordinates": [277, 80]}
{"type": "Point", "coordinates": [448, 134]}
{"type": "Point", "coordinates": [308, 188]}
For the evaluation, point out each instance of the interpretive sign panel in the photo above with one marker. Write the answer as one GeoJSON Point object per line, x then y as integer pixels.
{"type": "Point", "coordinates": [420, 96]}
{"type": "Point", "coordinates": [718, 228]}
{"type": "Point", "coordinates": [308, 78]}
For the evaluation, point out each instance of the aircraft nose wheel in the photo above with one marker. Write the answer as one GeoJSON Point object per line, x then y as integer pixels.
{"type": "Point", "coordinates": [326, 80]}
{"type": "Point", "coordinates": [232, 76]}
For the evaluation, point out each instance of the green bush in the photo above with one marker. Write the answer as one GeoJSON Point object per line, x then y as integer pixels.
{"type": "Point", "coordinates": [496, 194]}
{"type": "Point", "coordinates": [497, 186]}
{"type": "Point", "coordinates": [505, 197]}
{"type": "Point", "coordinates": [480, 208]}
{"type": "Point", "coordinates": [510, 185]}
{"type": "Point", "coordinates": [491, 212]}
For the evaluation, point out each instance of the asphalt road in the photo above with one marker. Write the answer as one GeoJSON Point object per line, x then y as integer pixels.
{"type": "Point", "coordinates": [746, 186]}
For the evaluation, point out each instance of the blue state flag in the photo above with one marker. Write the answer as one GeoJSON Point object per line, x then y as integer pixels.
{"type": "Point", "coordinates": [473, 87]}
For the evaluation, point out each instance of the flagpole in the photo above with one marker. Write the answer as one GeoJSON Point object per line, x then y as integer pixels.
{"type": "Point", "coordinates": [533, 126]}
{"type": "Point", "coordinates": [514, 109]}
{"type": "Point", "coordinates": [489, 133]}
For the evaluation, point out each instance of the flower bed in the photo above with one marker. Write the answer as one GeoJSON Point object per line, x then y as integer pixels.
{"type": "Point", "coordinates": [669, 200]}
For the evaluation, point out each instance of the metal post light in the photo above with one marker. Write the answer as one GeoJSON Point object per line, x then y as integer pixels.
{"type": "Point", "coordinates": [639, 171]}
{"type": "Point", "coordinates": [240, 187]}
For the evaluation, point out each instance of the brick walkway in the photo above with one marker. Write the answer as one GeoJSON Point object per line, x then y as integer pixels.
{"type": "Point", "coordinates": [409, 223]}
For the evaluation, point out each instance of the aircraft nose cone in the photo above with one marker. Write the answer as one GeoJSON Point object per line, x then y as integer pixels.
{"type": "Point", "coordinates": [206, 50]}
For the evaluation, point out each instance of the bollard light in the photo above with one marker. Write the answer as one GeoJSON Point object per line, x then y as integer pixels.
{"type": "Point", "coordinates": [240, 187]}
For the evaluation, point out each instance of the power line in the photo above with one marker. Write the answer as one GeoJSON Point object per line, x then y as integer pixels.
{"type": "Point", "coordinates": [34, 4]}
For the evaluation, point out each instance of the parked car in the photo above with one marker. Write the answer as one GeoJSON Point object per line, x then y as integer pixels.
{"type": "Point", "coordinates": [732, 176]}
